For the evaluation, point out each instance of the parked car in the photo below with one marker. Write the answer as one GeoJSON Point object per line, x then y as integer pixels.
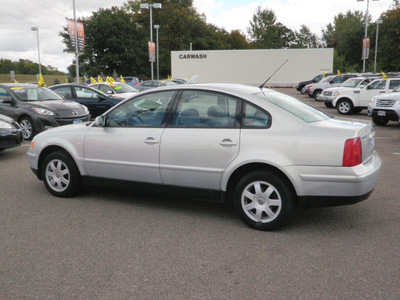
{"type": "Point", "coordinates": [224, 142]}
{"type": "Point", "coordinates": [131, 80]}
{"type": "Point", "coordinates": [96, 101]}
{"type": "Point", "coordinates": [37, 109]}
{"type": "Point", "coordinates": [329, 94]}
{"type": "Point", "coordinates": [10, 133]}
{"type": "Point", "coordinates": [330, 81]}
{"type": "Point", "coordinates": [354, 100]}
{"type": "Point", "coordinates": [316, 79]}
{"type": "Point", "coordinates": [151, 84]}
{"type": "Point", "coordinates": [386, 107]}
{"type": "Point", "coordinates": [116, 89]}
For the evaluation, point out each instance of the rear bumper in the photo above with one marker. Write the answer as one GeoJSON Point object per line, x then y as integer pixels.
{"type": "Point", "coordinates": [327, 186]}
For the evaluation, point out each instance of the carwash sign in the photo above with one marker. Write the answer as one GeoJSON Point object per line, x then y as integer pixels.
{"type": "Point", "coordinates": [193, 56]}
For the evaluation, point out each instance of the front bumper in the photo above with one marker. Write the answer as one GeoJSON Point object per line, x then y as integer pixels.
{"type": "Point", "coordinates": [10, 138]}
{"type": "Point", "coordinates": [388, 114]}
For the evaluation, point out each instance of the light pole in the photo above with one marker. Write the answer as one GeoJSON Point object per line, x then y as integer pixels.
{"type": "Point", "coordinates": [150, 6]}
{"type": "Point", "coordinates": [156, 27]}
{"type": "Point", "coordinates": [37, 33]}
{"type": "Point", "coordinates": [379, 21]}
{"type": "Point", "coordinates": [366, 30]}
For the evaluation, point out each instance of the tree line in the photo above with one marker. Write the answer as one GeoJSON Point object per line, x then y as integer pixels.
{"type": "Point", "coordinates": [25, 66]}
{"type": "Point", "coordinates": [116, 38]}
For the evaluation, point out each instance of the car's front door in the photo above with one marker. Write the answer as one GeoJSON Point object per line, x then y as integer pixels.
{"type": "Point", "coordinates": [201, 141]}
{"type": "Point", "coordinates": [128, 146]}
{"type": "Point", "coordinates": [94, 101]}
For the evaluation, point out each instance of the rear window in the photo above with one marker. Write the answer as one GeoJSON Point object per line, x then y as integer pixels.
{"type": "Point", "coordinates": [297, 108]}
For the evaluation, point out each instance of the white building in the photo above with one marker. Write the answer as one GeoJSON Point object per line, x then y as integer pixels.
{"type": "Point", "coordinates": [252, 66]}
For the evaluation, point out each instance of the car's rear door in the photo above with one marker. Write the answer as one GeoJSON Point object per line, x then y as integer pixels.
{"type": "Point", "coordinates": [201, 141]}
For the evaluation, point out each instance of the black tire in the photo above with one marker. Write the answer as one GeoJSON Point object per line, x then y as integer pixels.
{"type": "Point", "coordinates": [28, 129]}
{"type": "Point", "coordinates": [263, 200]}
{"type": "Point", "coordinates": [380, 121]}
{"type": "Point", "coordinates": [344, 107]}
{"type": "Point", "coordinates": [328, 104]}
{"type": "Point", "coordinates": [316, 94]}
{"type": "Point", "coordinates": [61, 175]}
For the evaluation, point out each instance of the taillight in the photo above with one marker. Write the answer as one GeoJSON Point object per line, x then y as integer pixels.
{"type": "Point", "coordinates": [352, 155]}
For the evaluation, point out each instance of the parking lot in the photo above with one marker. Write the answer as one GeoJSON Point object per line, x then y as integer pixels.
{"type": "Point", "coordinates": [108, 244]}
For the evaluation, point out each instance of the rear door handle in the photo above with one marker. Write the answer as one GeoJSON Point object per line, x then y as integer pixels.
{"type": "Point", "coordinates": [228, 143]}
{"type": "Point", "coordinates": [150, 141]}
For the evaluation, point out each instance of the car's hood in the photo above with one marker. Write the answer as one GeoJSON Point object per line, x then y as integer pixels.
{"type": "Point", "coordinates": [63, 108]}
{"type": "Point", "coordinates": [6, 118]}
{"type": "Point", "coordinates": [127, 95]}
{"type": "Point", "coordinates": [389, 96]}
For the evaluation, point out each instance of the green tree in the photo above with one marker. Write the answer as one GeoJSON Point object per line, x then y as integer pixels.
{"type": "Point", "coordinates": [304, 38]}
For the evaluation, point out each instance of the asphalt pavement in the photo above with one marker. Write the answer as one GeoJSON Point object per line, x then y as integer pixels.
{"type": "Point", "coordinates": [109, 244]}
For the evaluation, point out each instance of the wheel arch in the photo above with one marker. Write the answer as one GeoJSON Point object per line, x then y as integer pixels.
{"type": "Point", "coordinates": [50, 149]}
{"type": "Point", "coordinates": [336, 101]}
{"type": "Point", "coordinates": [244, 169]}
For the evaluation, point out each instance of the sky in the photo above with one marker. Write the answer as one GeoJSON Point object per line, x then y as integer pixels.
{"type": "Point", "coordinates": [18, 41]}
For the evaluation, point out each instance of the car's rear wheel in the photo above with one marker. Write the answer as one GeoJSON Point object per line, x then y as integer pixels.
{"type": "Point", "coordinates": [28, 129]}
{"type": "Point", "coordinates": [380, 121]}
{"type": "Point", "coordinates": [61, 175]}
{"type": "Point", "coordinates": [316, 94]}
{"type": "Point", "coordinates": [344, 107]}
{"type": "Point", "coordinates": [263, 200]}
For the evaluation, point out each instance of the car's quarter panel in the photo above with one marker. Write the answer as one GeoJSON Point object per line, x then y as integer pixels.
{"type": "Point", "coordinates": [125, 153]}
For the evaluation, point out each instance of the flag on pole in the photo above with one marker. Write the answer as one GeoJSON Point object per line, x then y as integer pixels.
{"type": "Point", "coordinates": [339, 74]}
{"type": "Point", "coordinates": [110, 80]}
{"type": "Point", "coordinates": [41, 81]}
{"type": "Point", "coordinates": [384, 76]}
{"type": "Point", "coordinates": [92, 80]}
{"type": "Point", "coordinates": [85, 78]}
{"type": "Point", "coordinates": [122, 79]}
{"type": "Point", "coordinates": [99, 79]}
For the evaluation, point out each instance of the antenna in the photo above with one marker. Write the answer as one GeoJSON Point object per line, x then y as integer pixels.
{"type": "Point", "coordinates": [261, 86]}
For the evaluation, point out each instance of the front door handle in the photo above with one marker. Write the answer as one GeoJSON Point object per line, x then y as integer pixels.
{"type": "Point", "coordinates": [228, 143]}
{"type": "Point", "coordinates": [150, 141]}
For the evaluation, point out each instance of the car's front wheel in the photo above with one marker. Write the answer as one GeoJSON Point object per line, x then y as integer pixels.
{"type": "Point", "coordinates": [263, 200]}
{"type": "Point", "coordinates": [28, 129]}
{"type": "Point", "coordinates": [61, 175]}
{"type": "Point", "coordinates": [380, 121]}
{"type": "Point", "coordinates": [344, 107]}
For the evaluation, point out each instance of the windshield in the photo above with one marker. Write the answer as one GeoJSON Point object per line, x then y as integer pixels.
{"type": "Point", "coordinates": [351, 83]}
{"type": "Point", "coordinates": [326, 79]}
{"type": "Point", "coordinates": [34, 94]}
{"type": "Point", "coordinates": [121, 88]}
{"type": "Point", "coordinates": [297, 108]}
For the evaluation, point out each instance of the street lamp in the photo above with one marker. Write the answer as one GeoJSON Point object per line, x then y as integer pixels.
{"type": "Point", "coordinates": [37, 34]}
{"type": "Point", "coordinates": [379, 21]}
{"type": "Point", "coordinates": [156, 27]}
{"type": "Point", "coordinates": [147, 6]}
{"type": "Point", "coordinates": [366, 30]}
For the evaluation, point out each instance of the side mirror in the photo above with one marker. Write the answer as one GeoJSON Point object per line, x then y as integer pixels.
{"type": "Point", "coordinates": [5, 100]}
{"type": "Point", "coordinates": [100, 121]}
{"type": "Point", "coordinates": [109, 92]}
{"type": "Point", "coordinates": [101, 97]}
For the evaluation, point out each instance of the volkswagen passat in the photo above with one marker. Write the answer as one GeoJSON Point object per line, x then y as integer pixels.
{"type": "Point", "coordinates": [261, 150]}
{"type": "Point", "coordinates": [37, 108]}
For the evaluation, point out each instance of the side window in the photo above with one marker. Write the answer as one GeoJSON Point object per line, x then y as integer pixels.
{"type": "Point", "coordinates": [4, 94]}
{"type": "Point", "coordinates": [64, 91]}
{"type": "Point", "coordinates": [393, 84]}
{"type": "Point", "coordinates": [254, 117]}
{"type": "Point", "coordinates": [82, 92]}
{"type": "Point", "coordinates": [143, 111]}
{"type": "Point", "coordinates": [206, 109]}
{"type": "Point", "coordinates": [105, 88]}
{"type": "Point", "coordinates": [148, 83]}
{"type": "Point", "coordinates": [377, 85]}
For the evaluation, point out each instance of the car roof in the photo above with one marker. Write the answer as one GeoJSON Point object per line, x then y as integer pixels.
{"type": "Point", "coordinates": [10, 85]}
{"type": "Point", "coordinates": [68, 84]}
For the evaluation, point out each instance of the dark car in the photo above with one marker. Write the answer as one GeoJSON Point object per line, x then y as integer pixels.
{"type": "Point", "coordinates": [37, 108]}
{"type": "Point", "coordinates": [317, 78]}
{"type": "Point", "coordinates": [151, 84]}
{"type": "Point", "coordinates": [96, 101]}
{"type": "Point", "coordinates": [10, 133]}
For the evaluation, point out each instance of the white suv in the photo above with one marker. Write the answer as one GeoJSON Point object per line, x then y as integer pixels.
{"type": "Point", "coordinates": [385, 108]}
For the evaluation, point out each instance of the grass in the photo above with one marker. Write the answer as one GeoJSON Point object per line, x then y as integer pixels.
{"type": "Point", "coordinates": [48, 79]}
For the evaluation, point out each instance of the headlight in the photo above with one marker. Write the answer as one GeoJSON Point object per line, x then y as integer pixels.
{"type": "Point", "coordinates": [85, 109]}
{"type": "Point", "coordinates": [43, 111]}
{"type": "Point", "coordinates": [4, 125]}
{"type": "Point", "coordinates": [335, 94]}
{"type": "Point", "coordinates": [372, 101]}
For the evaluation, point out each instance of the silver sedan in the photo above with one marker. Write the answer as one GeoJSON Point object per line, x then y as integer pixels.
{"type": "Point", "coordinates": [256, 148]}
